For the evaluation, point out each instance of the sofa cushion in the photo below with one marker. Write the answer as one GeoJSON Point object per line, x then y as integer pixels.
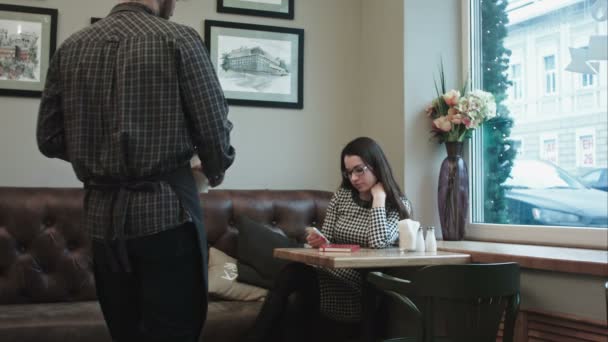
{"type": "Point", "coordinates": [255, 245]}
{"type": "Point", "coordinates": [222, 279]}
{"type": "Point", "coordinates": [53, 322]}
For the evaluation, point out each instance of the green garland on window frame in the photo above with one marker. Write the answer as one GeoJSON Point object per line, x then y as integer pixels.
{"type": "Point", "coordinates": [499, 150]}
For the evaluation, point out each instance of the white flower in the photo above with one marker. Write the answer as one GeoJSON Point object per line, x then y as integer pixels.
{"type": "Point", "coordinates": [478, 105]}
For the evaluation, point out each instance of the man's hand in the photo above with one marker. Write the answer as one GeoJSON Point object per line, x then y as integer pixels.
{"type": "Point", "coordinates": [216, 180]}
{"type": "Point", "coordinates": [197, 166]}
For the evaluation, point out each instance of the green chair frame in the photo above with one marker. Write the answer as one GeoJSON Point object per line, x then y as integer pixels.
{"type": "Point", "coordinates": [606, 285]}
{"type": "Point", "coordinates": [472, 297]}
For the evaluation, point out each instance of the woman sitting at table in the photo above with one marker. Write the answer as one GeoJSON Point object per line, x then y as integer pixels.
{"type": "Point", "coordinates": [364, 211]}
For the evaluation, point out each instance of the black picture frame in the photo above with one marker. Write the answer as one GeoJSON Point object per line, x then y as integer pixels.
{"type": "Point", "coordinates": [284, 10]}
{"type": "Point", "coordinates": [258, 65]}
{"type": "Point", "coordinates": [28, 39]}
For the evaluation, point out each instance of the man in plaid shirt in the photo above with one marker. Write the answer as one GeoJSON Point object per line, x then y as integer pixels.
{"type": "Point", "coordinates": [127, 102]}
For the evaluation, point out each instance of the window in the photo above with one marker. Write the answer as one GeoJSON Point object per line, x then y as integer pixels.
{"type": "Point", "coordinates": [549, 63]}
{"type": "Point", "coordinates": [585, 147]}
{"type": "Point", "coordinates": [586, 80]}
{"type": "Point", "coordinates": [516, 88]}
{"type": "Point", "coordinates": [596, 179]}
{"type": "Point", "coordinates": [592, 177]}
{"type": "Point", "coordinates": [534, 196]}
{"type": "Point", "coordinates": [548, 147]}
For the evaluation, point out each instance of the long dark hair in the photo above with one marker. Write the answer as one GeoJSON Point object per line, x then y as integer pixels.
{"type": "Point", "coordinates": [370, 152]}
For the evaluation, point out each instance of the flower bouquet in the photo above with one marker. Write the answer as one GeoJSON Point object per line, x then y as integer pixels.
{"type": "Point", "coordinates": [456, 114]}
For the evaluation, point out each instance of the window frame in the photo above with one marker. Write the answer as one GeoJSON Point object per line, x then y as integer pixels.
{"type": "Point", "coordinates": [517, 92]}
{"type": "Point", "coordinates": [591, 81]}
{"type": "Point", "coordinates": [544, 155]}
{"type": "Point", "coordinates": [578, 237]}
{"type": "Point", "coordinates": [578, 134]}
{"type": "Point", "coordinates": [552, 73]}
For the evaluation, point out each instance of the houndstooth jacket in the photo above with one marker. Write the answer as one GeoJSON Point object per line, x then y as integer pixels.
{"type": "Point", "coordinates": [350, 220]}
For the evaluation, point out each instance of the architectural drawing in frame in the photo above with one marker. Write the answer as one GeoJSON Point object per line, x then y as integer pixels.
{"type": "Point", "coordinates": [282, 9]}
{"type": "Point", "coordinates": [257, 65]}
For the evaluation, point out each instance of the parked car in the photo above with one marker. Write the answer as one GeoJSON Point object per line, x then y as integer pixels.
{"type": "Point", "coordinates": [597, 179]}
{"type": "Point", "coordinates": [540, 193]}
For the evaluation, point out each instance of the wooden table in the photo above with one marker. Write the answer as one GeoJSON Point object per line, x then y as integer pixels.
{"type": "Point", "coordinates": [368, 260]}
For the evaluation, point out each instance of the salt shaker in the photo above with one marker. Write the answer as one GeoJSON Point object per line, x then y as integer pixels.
{"type": "Point", "coordinates": [420, 245]}
{"type": "Point", "coordinates": [431, 241]}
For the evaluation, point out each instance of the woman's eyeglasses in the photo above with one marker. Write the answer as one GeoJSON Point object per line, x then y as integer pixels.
{"type": "Point", "coordinates": [358, 171]}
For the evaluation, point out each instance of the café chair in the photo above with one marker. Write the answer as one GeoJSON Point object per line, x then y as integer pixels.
{"type": "Point", "coordinates": [456, 303]}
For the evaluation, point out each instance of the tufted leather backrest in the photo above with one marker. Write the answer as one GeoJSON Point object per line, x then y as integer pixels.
{"type": "Point", "coordinates": [289, 210]}
{"type": "Point", "coordinates": [45, 252]}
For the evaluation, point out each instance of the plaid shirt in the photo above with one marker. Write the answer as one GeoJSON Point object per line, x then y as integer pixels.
{"type": "Point", "coordinates": [130, 97]}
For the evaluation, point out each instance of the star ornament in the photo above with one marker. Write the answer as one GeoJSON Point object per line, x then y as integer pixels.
{"type": "Point", "coordinates": [597, 50]}
{"type": "Point", "coordinates": [580, 63]}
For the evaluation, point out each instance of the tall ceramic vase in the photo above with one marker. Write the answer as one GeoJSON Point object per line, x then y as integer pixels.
{"type": "Point", "coordinates": [453, 193]}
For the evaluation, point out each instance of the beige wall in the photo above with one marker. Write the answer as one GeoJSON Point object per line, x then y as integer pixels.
{"type": "Point", "coordinates": [276, 148]}
{"type": "Point", "coordinates": [430, 34]}
{"type": "Point", "coordinates": [381, 78]}
{"type": "Point", "coordinates": [573, 294]}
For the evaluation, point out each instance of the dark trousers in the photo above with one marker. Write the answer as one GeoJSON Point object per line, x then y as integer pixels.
{"type": "Point", "coordinates": [291, 307]}
{"type": "Point", "coordinates": [163, 298]}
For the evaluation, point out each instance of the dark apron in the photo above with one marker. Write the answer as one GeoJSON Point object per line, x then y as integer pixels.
{"type": "Point", "coordinates": [183, 184]}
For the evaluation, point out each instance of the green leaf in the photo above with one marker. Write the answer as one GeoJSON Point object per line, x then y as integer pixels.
{"type": "Point", "coordinates": [442, 75]}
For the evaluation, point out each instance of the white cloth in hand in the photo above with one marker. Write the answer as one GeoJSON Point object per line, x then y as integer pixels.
{"type": "Point", "coordinates": [202, 183]}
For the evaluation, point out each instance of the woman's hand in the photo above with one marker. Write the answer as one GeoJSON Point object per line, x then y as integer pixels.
{"type": "Point", "coordinates": [314, 237]}
{"type": "Point", "coordinates": [378, 195]}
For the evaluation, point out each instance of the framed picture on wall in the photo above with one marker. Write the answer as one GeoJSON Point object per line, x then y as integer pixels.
{"type": "Point", "coordinates": [257, 65]}
{"type": "Point", "coordinates": [28, 38]}
{"type": "Point", "coordinates": [264, 8]}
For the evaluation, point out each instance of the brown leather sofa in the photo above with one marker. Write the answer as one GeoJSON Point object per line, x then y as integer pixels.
{"type": "Point", "coordinates": [47, 292]}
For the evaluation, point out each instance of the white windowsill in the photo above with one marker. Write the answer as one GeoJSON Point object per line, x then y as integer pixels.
{"type": "Point", "coordinates": [576, 237]}
{"type": "Point", "coordinates": [556, 259]}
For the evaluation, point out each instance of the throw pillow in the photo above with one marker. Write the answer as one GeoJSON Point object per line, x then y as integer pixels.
{"type": "Point", "coordinates": [222, 279]}
{"type": "Point", "coordinates": [249, 275]}
{"type": "Point", "coordinates": [255, 246]}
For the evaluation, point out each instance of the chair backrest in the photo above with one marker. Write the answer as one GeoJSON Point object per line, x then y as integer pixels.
{"type": "Point", "coordinates": [461, 302]}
